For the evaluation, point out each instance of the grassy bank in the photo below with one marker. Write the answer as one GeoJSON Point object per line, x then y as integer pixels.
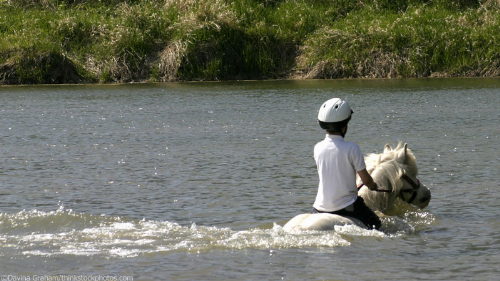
{"type": "Point", "coordinates": [87, 41]}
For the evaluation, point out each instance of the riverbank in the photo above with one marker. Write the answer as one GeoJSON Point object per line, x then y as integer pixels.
{"type": "Point", "coordinates": [87, 41]}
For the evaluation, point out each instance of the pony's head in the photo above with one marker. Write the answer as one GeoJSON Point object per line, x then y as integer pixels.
{"type": "Point", "coordinates": [394, 170]}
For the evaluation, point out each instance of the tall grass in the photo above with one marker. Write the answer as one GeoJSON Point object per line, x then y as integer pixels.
{"type": "Point", "coordinates": [425, 40]}
{"type": "Point", "coordinates": [81, 41]}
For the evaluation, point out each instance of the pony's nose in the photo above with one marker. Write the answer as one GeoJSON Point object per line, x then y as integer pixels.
{"type": "Point", "coordinates": [425, 199]}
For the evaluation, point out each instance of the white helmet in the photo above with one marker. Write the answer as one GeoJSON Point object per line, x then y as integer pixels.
{"type": "Point", "coordinates": [334, 114]}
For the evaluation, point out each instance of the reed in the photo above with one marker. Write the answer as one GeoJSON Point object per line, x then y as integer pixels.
{"type": "Point", "coordinates": [85, 41]}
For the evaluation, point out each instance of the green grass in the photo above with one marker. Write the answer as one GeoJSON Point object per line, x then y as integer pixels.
{"type": "Point", "coordinates": [423, 41]}
{"type": "Point", "coordinates": [88, 41]}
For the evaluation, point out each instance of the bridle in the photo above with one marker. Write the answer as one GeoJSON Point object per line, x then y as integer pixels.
{"type": "Point", "coordinates": [415, 186]}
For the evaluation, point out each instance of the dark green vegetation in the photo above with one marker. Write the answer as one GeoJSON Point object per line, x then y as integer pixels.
{"type": "Point", "coordinates": [81, 41]}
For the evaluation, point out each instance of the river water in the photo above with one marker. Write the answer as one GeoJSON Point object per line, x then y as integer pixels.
{"type": "Point", "coordinates": [193, 181]}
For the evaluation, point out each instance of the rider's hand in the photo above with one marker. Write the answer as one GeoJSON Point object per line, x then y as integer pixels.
{"type": "Point", "coordinates": [374, 186]}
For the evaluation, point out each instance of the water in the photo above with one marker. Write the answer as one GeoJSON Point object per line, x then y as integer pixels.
{"type": "Point", "coordinates": [194, 181]}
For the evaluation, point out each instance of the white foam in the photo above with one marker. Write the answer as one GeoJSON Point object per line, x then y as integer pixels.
{"type": "Point", "coordinates": [28, 234]}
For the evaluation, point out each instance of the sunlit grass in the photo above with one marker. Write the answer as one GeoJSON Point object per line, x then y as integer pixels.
{"type": "Point", "coordinates": [146, 40]}
{"type": "Point", "coordinates": [422, 41]}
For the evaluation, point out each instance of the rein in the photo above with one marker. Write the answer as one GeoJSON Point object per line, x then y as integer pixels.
{"type": "Point", "coordinates": [378, 190]}
{"type": "Point", "coordinates": [414, 185]}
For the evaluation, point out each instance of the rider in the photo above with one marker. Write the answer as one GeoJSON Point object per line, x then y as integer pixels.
{"type": "Point", "coordinates": [338, 161]}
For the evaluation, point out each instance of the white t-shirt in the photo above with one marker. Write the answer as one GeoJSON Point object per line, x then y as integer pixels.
{"type": "Point", "coordinates": [337, 161]}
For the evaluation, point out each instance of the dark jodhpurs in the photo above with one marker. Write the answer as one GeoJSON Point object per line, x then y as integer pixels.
{"type": "Point", "coordinates": [360, 212]}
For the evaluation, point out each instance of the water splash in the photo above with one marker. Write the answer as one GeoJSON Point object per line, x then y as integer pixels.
{"type": "Point", "coordinates": [64, 232]}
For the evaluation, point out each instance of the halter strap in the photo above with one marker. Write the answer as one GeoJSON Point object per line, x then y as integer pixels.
{"type": "Point", "coordinates": [414, 185]}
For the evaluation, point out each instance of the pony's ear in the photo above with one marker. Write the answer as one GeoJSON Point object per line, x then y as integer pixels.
{"type": "Point", "coordinates": [387, 148]}
{"type": "Point", "coordinates": [402, 154]}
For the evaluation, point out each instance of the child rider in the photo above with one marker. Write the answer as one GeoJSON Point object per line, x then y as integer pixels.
{"type": "Point", "coordinates": [338, 161]}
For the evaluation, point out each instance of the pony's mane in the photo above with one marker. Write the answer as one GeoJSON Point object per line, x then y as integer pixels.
{"type": "Point", "coordinates": [386, 170]}
{"type": "Point", "coordinates": [376, 161]}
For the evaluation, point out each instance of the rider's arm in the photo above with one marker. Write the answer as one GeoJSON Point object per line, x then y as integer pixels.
{"type": "Point", "coordinates": [367, 179]}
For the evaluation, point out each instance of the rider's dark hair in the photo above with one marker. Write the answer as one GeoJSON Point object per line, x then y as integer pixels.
{"type": "Point", "coordinates": [334, 127]}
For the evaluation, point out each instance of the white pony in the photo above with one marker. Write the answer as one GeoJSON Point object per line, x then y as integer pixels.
{"type": "Point", "coordinates": [395, 172]}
